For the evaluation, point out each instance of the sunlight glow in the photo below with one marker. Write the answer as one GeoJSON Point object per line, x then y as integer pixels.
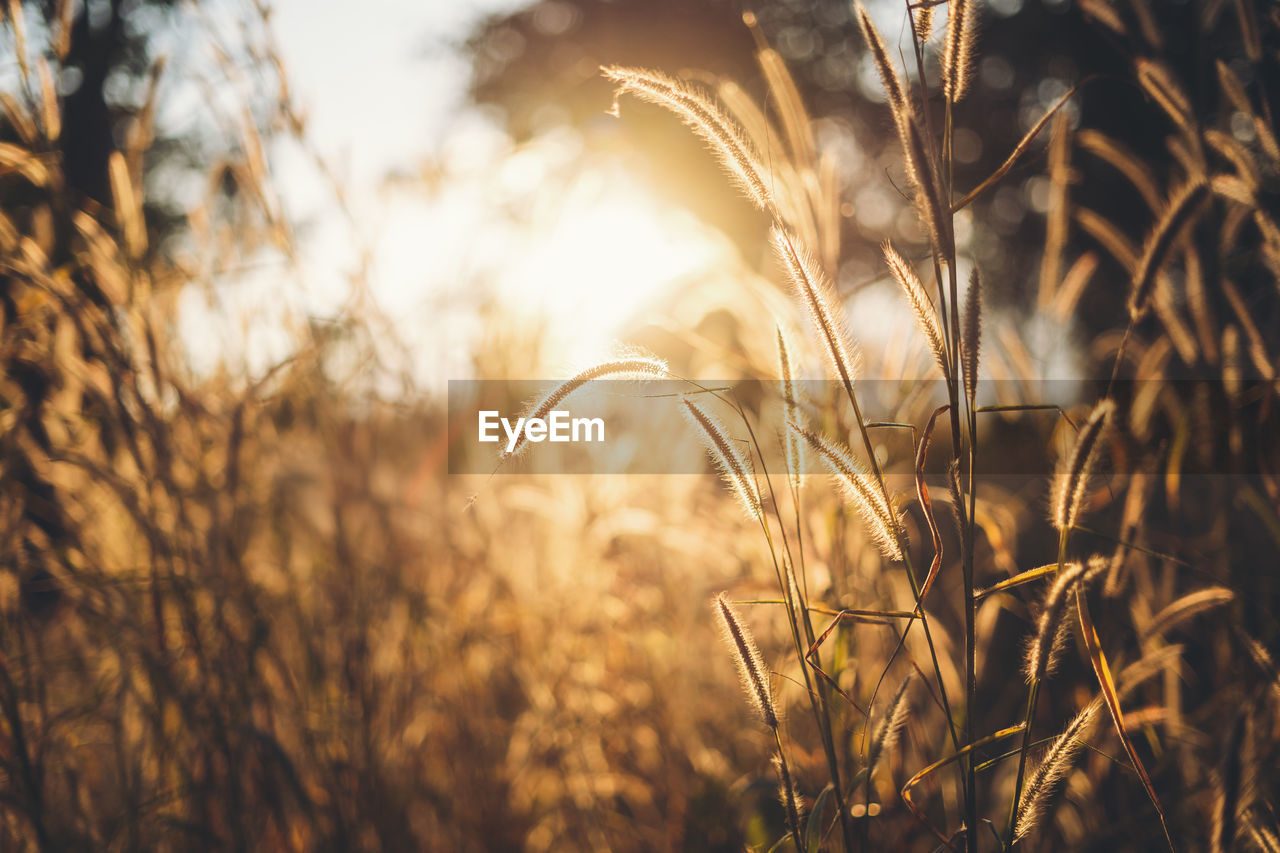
{"type": "Point", "coordinates": [593, 267]}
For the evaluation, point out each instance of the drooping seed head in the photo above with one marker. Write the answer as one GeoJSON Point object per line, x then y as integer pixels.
{"type": "Point", "coordinates": [729, 459]}
{"type": "Point", "coordinates": [921, 305]}
{"type": "Point", "coordinates": [861, 490]}
{"type": "Point", "coordinates": [630, 366]}
{"type": "Point", "coordinates": [1180, 210]}
{"type": "Point", "coordinates": [818, 296]}
{"type": "Point", "coordinates": [791, 410]}
{"type": "Point", "coordinates": [697, 110]}
{"type": "Point", "coordinates": [1052, 769]}
{"type": "Point", "coordinates": [755, 678]}
{"type": "Point", "coordinates": [1044, 649]}
{"type": "Point", "coordinates": [1071, 482]}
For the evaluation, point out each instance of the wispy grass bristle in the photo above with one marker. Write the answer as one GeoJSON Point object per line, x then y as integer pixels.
{"type": "Point", "coordinates": [697, 110]}
{"type": "Point", "coordinates": [733, 464]}
{"type": "Point", "coordinates": [921, 306]}
{"type": "Point", "coordinates": [1071, 481]}
{"type": "Point", "coordinates": [755, 678]}
{"type": "Point", "coordinates": [958, 49]}
{"type": "Point", "coordinates": [791, 410]}
{"type": "Point", "coordinates": [630, 366]}
{"type": "Point", "coordinates": [861, 490]}
{"type": "Point", "coordinates": [1052, 769]}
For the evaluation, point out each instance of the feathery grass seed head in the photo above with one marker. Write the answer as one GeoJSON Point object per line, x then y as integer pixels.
{"type": "Point", "coordinates": [731, 461]}
{"type": "Point", "coordinates": [706, 119]}
{"type": "Point", "coordinates": [1181, 209]}
{"type": "Point", "coordinates": [1044, 649]}
{"type": "Point", "coordinates": [921, 305]}
{"type": "Point", "coordinates": [895, 91]}
{"type": "Point", "coordinates": [971, 340]}
{"type": "Point", "coordinates": [861, 490]}
{"type": "Point", "coordinates": [791, 409]}
{"type": "Point", "coordinates": [791, 801]}
{"type": "Point", "coordinates": [819, 298]}
{"type": "Point", "coordinates": [1071, 481]}
{"type": "Point", "coordinates": [886, 736]}
{"type": "Point", "coordinates": [957, 50]}
{"type": "Point", "coordinates": [629, 366]}
{"type": "Point", "coordinates": [755, 678]}
{"type": "Point", "coordinates": [922, 169]}
{"type": "Point", "coordinates": [1051, 770]}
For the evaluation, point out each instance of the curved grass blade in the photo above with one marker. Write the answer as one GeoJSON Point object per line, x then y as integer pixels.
{"type": "Point", "coordinates": [1112, 697]}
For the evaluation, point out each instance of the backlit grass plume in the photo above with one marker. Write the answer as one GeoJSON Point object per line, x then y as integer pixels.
{"type": "Point", "coordinates": [957, 51]}
{"type": "Point", "coordinates": [1052, 769]}
{"type": "Point", "coordinates": [1071, 481]}
{"type": "Point", "coordinates": [819, 298]}
{"type": "Point", "coordinates": [1045, 646]}
{"type": "Point", "coordinates": [791, 408]}
{"type": "Point", "coordinates": [697, 110]}
{"type": "Point", "coordinates": [895, 92]}
{"type": "Point", "coordinates": [886, 736]}
{"type": "Point", "coordinates": [732, 462]}
{"type": "Point", "coordinates": [636, 366]}
{"type": "Point", "coordinates": [755, 678]}
{"type": "Point", "coordinates": [861, 490]}
{"type": "Point", "coordinates": [921, 306]}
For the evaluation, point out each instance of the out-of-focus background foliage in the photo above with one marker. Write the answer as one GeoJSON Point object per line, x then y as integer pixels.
{"type": "Point", "coordinates": [243, 605]}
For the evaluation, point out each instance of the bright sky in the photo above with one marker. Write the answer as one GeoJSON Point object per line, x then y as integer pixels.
{"type": "Point", "coordinates": [384, 94]}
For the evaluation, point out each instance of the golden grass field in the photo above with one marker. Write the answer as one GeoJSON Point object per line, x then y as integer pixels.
{"type": "Point", "coordinates": [259, 612]}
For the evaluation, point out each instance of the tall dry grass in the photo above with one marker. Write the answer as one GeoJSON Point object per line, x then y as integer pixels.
{"type": "Point", "coordinates": [257, 615]}
{"type": "Point", "coordinates": [1151, 773]}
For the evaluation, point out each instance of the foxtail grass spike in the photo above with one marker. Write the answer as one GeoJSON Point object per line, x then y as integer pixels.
{"type": "Point", "coordinates": [895, 92]}
{"type": "Point", "coordinates": [923, 22]}
{"type": "Point", "coordinates": [957, 50]}
{"type": "Point", "coordinates": [971, 340]}
{"type": "Point", "coordinates": [921, 306]}
{"type": "Point", "coordinates": [706, 119]}
{"type": "Point", "coordinates": [861, 490]}
{"type": "Point", "coordinates": [1045, 647]}
{"type": "Point", "coordinates": [816, 293]}
{"type": "Point", "coordinates": [1180, 210]}
{"type": "Point", "coordinates": [733, 465]}
{"type": "Point", "coordinates": [1052, 769]}
{"type": "Point", "coordinates": [1071, 481]}
{"type": "Point", "coordinates": [755, 678]}
{"type": "Point", "coordinates": [635, 366]}
{"type": "Point", "coordinates": [886, 736]}
{"type": "Point", "coordinates": [794, 449]}
{"type": "Point", "coordinates": [791, 801]}
{"type": "Point", "coordinates": [923, 171]}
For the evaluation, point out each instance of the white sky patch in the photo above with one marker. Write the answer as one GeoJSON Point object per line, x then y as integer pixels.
{"type": "Point", "coordinates": [569, 242]}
